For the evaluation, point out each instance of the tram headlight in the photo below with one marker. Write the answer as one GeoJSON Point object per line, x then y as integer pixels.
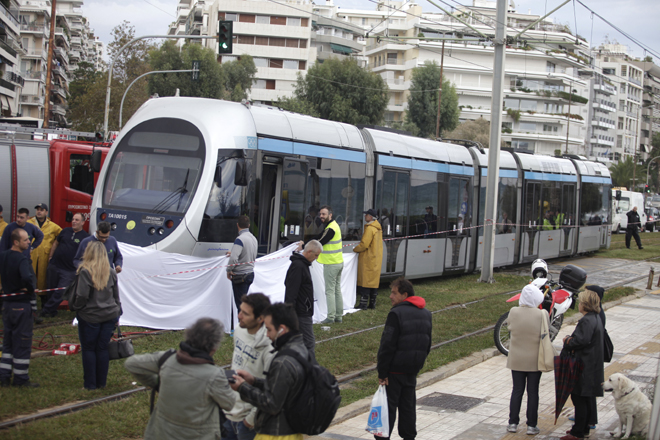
{"type": "Point", "coordinates": [103, 216]}
{"type": "Point", "coordinates": [161, 231]}
{"type": "Point", "coordinates": [169, 224]}
{"type": "Point", "coordinates": [113, 226]}
{"type": "Point", "coordinates": [152, 231]}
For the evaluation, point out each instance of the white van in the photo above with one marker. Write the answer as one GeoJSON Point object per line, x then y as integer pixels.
{"type": "Point", "coordinates": [622, 202]}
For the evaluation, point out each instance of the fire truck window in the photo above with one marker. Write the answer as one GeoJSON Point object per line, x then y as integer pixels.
{"type": "Point", "coordinates": [82, 176]}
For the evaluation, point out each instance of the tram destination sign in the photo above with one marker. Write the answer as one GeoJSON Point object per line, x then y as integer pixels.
{"type": "Point", "coordinates": [152, 220]}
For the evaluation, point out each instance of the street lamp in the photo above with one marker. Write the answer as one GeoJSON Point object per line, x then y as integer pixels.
{"type": "Point", "coordinates": [648, 169]}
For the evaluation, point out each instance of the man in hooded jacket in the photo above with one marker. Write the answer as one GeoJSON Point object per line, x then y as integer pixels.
{"type": "Point", "coordinates": [370, 260]}
{"type": "Point", "coordinates": [405, 343]}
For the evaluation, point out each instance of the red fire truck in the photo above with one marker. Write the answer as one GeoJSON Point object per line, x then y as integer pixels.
{"type": "Point", "coordinates": [59, 172]}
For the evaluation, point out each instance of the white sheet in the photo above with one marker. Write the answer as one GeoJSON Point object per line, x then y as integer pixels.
{"type": "Point", "coordinates": [182, 292]}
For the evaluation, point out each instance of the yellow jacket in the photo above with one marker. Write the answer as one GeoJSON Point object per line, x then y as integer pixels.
{"type": "Point", "coordinates": [3, 225]}
{"type": "Point", "coordinates": [370, 258]}
{"type": "Point", "coordinates": [40, 255]}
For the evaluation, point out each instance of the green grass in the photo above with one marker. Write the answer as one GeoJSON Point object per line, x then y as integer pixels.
{"type": "Point", "coordinates": [650, 241]}
{"type": "Point", "coordinates": [61, 376]}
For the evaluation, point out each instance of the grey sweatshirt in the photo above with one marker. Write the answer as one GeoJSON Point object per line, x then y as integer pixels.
{"type": "Point", "coordinates": [243, 251]}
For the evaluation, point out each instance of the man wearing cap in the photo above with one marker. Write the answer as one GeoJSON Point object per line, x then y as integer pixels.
{"type": "Point", "coordinates": [35, 235]}
{"type": "Point", "coordinates": [370, 260]}
{"type": "Point", "coordinates": [40, 256]}
{"type": "Point", "coordinates": [115, 258]}
{"type": "Point", "coordinates": [3, 223]}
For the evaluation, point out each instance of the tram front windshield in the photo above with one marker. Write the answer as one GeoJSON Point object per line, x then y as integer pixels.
{"type": "Point", "coordinates": [156, 167]}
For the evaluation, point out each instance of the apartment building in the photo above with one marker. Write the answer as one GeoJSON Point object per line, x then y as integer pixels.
{"type": "Point", "coordinates": [276, 34]}
{"type": "Point", "coordinates": [650, 124]}
{"type": "Point", "coordinates": [74, 42]}
{"type": "Point", "coordinates": [602, 119]}
{"type": "Point", "coordinates": [613, 61]}
{"type": "Point", "coordinates": [11, 81]}
{"type": "Point", "coordinates": [334, 37]}
{"type": "Point", "coordinates": [541, 80]}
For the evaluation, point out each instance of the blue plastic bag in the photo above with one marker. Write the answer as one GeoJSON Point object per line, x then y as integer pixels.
{"type": "Point", "coordinates": [379, 421]}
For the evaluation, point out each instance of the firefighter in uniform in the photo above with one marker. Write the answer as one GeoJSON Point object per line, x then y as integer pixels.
{"type": "Point", "coordinates": [3, 223]}
{"type": "Point", "coordinates": [17, 278]}
{"type": "Point", "coordinates": [333, 263]}
{"type": "Point", "coordinates": [40, 255]}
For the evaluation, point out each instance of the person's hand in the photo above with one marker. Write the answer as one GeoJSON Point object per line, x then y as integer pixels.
{"type": "Point", "coordinates": [245, 375]}
{"type": "Point", "coordinates": [229, 274]}
{"type": "Point", "coordinates": [238, 382]}
{"type": "Point", "coordinates": [566, 339]}
{"type": "Point", "coordinates": [247, 425]}
{"type": "Point", "coordinates": [228, 254]}
{"type": "Point", "coordinates": [300, 246]}
{"type": "Point", "coordinates": [118, 269]}
{"type": "Point", "coordinates": [385, 381]}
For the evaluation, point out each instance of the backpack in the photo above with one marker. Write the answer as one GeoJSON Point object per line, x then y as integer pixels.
{"type": "Point", "coordinates": [317, 401]}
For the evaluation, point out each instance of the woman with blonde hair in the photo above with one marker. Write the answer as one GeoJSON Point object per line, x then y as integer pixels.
{"type": "Point", "coordinates": [587, 344]}
{"type": "Point", "coordinates": [524, 324]}
{"type": "Point", "coordinates": [96, 301]}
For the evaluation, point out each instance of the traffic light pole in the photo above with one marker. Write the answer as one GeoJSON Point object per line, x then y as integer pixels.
{"type": "Point", "coordinates": [119, 52]}
{"type": "Point", "coordinates": [121, 106]}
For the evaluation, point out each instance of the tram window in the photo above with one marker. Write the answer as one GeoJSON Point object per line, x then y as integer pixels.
{"type": "Point", "coordinates": [550, 206]}
{"type": "Point", "coordinates": [340, 185]}
{"type": "Point", "coordinates": [532, 204]}
{"type": "Point", "coordinates": [82, 176]}
{"type": "Point", "coordinates": [423, 204]}
{"type": "Point", "coordinates": [458, 212]}
{"type": "Point", "coordinates": [567, 217]}
{"type": "Point", "coordinates": [506, 206]}
{"type": "Point", "coordinates": [595, 203]}
{"type": "Point", "coordinates": [226, 202]}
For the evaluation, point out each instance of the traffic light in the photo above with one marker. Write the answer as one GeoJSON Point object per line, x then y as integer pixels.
{"type": "Point", "coordinates": [225, 36]}
{"type": "Point", "coordinates": [195, 71]}
{"type": "Point", "coordinates": [646, 188]}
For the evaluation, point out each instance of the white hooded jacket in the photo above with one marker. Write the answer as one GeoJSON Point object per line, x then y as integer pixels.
{"type": "Point", "coordinates": [252, 353]}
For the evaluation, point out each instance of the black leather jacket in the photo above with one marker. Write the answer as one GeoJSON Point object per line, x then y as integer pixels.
{"type": "Point", "coordinates": [634, 221]}
{"type": "Point", "coordinates": [283, 382]}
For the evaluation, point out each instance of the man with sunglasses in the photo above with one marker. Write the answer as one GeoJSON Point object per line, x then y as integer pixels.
{"type": "Point", "coordinates": [103, 235]}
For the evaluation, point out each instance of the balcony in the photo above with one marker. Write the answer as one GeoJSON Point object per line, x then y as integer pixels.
{"type": "Point", "coordinates": [34, 76]}
{"type": "Point", "coordinates": [76, 41]}
{"type": "Point", "coordinates": [603, 140]}
{"type": "Point", "coordinates": [41, 53]}
{"type": "Point", "coordinates": [6, 45]}
{"type": "Point", "coordinates": [605, 88]}
{"type": "Point", "coordinates": [14, 77]}
{"type": "Point", "coordinates": [634, 81]}
{"type": "Point", "coordinates": [32, 100]}
{"type": "Point", "coordinates": [35, 28]}
{"type": "Point", "coordinates": [634, 98]}
{"type": "Point", "coordinates": [58, 70]}
{"type": "Point", "coordinates": [7, 85]}
{"type": "Point", "coordinates": [61, 54]}
{"type": "Point", "coordinates": [605, 105]}
{"type": "Point", "coordinates": [58, 109]}
{"type": "Point", "coordinates": [4, 11]}
{"type": "Point", "coordinates": [74, 55]}
{"type": "Point", "coordinates": [603, 122]}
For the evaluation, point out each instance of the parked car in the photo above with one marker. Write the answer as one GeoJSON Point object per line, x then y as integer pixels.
{"type": "Point", "coordinates": [652, 216]}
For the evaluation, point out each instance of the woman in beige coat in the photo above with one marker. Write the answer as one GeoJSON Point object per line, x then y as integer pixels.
{"type": "Point", "coordinates": [524, 324]}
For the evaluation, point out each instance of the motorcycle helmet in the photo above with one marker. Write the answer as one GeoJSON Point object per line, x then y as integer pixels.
{"type": "Point", "coordinates": [539, 269]}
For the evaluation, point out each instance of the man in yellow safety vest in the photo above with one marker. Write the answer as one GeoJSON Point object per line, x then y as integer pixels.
{"type": "Point", "coordinates": [333, 263]}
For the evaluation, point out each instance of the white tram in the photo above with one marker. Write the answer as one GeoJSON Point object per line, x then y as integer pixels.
{"type": "Point", "coordinates": [183, 170]}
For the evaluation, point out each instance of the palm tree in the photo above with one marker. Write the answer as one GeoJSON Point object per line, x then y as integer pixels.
{"type": "Point", "coordinates": [622, 173]}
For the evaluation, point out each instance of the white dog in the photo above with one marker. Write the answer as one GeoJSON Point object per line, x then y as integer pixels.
{"type": "Point", "coordinates": [632, 406]}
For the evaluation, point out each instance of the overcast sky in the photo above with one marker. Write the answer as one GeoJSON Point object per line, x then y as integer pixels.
{"type": "Point", "coordinates": [638, 18]}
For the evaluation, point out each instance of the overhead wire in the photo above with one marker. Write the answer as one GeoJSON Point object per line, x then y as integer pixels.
{"type": "Point", "coordinates": [161, 10]}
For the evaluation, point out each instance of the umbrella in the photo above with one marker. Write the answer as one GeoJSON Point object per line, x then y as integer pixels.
{"type": "Point", "coordinates": [568, 369]}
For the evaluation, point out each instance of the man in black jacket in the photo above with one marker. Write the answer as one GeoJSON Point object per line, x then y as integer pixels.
{"type": "Point", "coordinates": [631, 230]}
{"type": "Point", "coordinates": [300, 290]}
{"type": "Point", "coordinates": [405, 343]}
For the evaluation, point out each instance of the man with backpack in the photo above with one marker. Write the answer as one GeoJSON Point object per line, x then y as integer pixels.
{"type": "Point", "coordinates": [297, 396]}
{"type": "Point", "coordinates": [252, 353]}
{"type": "Point", "coordinates": [405, 343]}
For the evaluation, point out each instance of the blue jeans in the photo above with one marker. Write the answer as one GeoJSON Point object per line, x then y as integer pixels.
{"type": "Point", "coordinates": [238, 431]}
{"type": "Point", "coordinates": [241, 289]}
{"type": "Point", "coordinates": [94, 340]}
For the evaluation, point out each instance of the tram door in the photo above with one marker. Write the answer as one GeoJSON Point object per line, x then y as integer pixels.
{"type": "Point", "coordinates": [458, 220]}
{"type": "Point", "coordinates": [567, 219]}
{"type": "Point", "coordinates": [529, 239]}
{"type": "Point", "coordinates": [282, 203]}
{"type": "Point", "coordinates": [394, 190]}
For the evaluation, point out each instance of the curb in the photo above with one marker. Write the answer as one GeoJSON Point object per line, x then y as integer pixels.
{"type": "Point", "coordinates": [430, 377]}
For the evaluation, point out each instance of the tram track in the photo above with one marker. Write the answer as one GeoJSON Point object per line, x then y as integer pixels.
{"type": "Point", "coordinates": [342, 380]}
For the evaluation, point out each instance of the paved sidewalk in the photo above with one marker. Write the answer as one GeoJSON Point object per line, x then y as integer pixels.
{"type": "Point", "coordinates": [474, 404]}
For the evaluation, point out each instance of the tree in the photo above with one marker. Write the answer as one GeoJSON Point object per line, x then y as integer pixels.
{"type": "Point", "coordinates": [87, 104]}
{"type": "Point", "coordinates": [423, 101]}
{"type": "Point", "coordinates": [622, 173]}
{"type": "Point", "coordinates": [654, 175]}
{"type": "Point", "coordinates": [218, 81]}
{"type": "Point", "coordinates": [477, 130]}
{"type": "Point", "coordinates": [340, 90]}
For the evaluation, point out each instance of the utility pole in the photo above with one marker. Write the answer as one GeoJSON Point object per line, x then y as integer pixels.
{"type": "Point", "coordinates": [495, 139]}
{"type": "Point", "coordinates": [568, 119]}
{"type": "Point", "coordinates": [49, 65]}
{"type": "Point", "coordinates": [442, 63]}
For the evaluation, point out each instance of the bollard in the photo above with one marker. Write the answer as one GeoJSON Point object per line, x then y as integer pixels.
{"type": "Point", "coordinates": [649, 285]}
